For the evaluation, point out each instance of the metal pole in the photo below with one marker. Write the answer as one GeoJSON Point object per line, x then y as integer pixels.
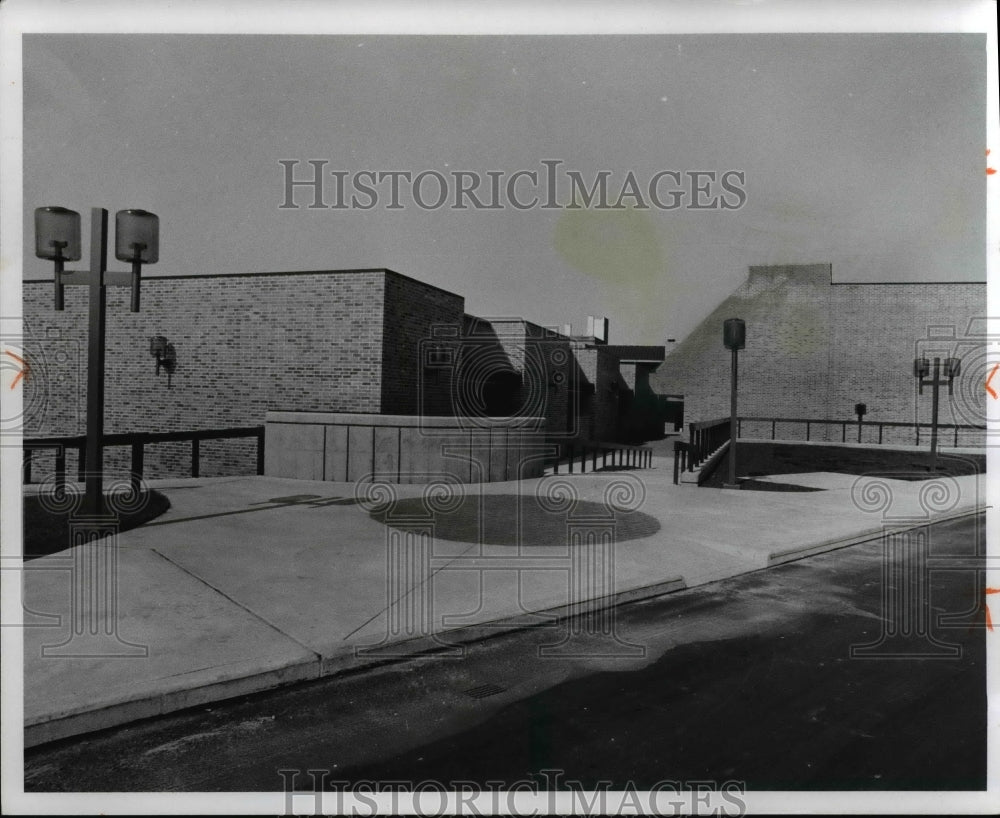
{"type": "Point", "coordinates": [95, 362]}
{"type": "Point", "coordinates": [60, 268]}
{"type": "Point", "coordinates": [934, 414]}
{"type": "Point", "coordinates": [733, 433]}
{"type": "Point", "coordinates": [136, 274]}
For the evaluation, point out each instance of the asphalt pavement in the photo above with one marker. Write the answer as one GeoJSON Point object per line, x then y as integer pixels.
{"type": "Point", "coordinates": [762, 679]}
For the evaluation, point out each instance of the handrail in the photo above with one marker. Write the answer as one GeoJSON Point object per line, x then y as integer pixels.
{"type": "Point", "coordinates": [854, 421]}
{"type": "Point", "coordinates": [626, 455]}
{"type": "Point", "coordinates": [859, 425]}
{"type": "Point", "coordinates": [703, 424]}
{"type": "Point", "coordinates": [705, 438]}
{"type": "Point", "coordinates": [138, 441]}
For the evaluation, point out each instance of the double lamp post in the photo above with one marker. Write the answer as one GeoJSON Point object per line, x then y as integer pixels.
{"type": "Point", "coordinates": [137, 240]}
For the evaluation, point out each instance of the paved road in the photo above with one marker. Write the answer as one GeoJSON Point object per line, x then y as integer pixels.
{"type": "Point", "coordinates": [749, 679]}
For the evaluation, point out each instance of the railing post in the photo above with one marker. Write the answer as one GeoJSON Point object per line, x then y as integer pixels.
{"type": "Point", "coordinates": [195, 456]}
{"type": "Point", "coordinates": [604, 458]}
{"type": "Point", "coordinates": [918, 433]}
{"type": "Point", "coordinates": [595, 460]}
{"type": "Point", "coordinates": [807, 430]}
{"type": "Point", "coordinates": [583, 459]}
{"type": "Point", "coordinates": [677, 456]}
{"type": "Point", "coordinates": [138, 451]}
{"type": "Point", "coordinates": [843, 432]}
{"type": "Point", "coordinates": [260, 451]}
{"type": "Point", "coordinates": [773, 426]}
{"type": "Point", "coordinates": [956, 435]}
{"type": "Point", "coordinates": [570, 449]}
{"type": "Point", "coordinates": [61, 468]}
{"type": "Point", "coordinates": [880, 433]}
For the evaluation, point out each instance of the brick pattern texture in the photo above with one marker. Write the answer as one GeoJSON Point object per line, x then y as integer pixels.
{"type": "Point", "coordinates": [334, 341]}
{"type": "Point", "coordinates": [244, 344]}
{"type": "Point", "coordinates": [814, 349]}
{"type": "Point", "coordinates": [416, 317]}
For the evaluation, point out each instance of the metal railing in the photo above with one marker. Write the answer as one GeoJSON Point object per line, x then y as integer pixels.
{"type": "Point", "coordinates": [137, 441]}
{"type": "Point", "coordinates": [704, 438]}
{"type": "Point", "coordinates": [844, 425]}
{"type": "Point", "coordinates": [621, 455]}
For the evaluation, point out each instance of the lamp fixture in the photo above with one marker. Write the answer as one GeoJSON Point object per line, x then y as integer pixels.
{"type": "Point", "coordinates": [165, 354]}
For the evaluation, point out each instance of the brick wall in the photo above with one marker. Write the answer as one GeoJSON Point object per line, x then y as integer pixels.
{"type": "Point", "coordinates": [814, 349]}
{"type": "Point", "coordinates": [244, 344]}
{"type": "Point", "coordinates": [417, 315]}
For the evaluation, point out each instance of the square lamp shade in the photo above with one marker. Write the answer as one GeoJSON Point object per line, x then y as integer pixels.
{"type": "Point", "coordinates": [137, 230]}
{"type": "Point", "coordinates": [734, 333]}
{"type": "Point", "coordinates": [57, 233]}
{"type": "Point", "coordinates": [921, 367]}
{"type": "Point", "coordinates": [952, 367]}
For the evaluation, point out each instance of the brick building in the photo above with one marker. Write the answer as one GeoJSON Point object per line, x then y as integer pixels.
{"type": "Point", "coordinates": [815, 348]}
{"type": "Point", "coordinates": [349, 341]}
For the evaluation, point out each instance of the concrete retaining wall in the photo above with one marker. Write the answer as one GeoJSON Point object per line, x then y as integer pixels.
{"type": "Point", "coordinates": [402, 448]}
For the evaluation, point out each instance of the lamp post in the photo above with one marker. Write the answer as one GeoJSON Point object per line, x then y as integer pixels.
{"type": "Point", "coordinates": [921, 369]}
{"type": "Point", "coordinates": [57, 238]}
{"type": "Point", "coordinates": [734, 336]}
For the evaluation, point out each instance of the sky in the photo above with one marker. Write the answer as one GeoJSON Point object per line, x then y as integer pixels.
{"type": "Point", "coordinates": [862, 150]}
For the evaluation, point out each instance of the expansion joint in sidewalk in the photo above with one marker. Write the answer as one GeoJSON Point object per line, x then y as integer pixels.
{"type": "Point", "coordinates": [237, 603]}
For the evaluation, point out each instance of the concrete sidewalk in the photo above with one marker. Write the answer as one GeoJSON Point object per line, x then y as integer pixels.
{"type": "Point", "coordinates": [249, 583]}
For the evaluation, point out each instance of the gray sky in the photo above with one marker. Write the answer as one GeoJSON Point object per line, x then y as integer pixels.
{"type": "Point", "coordinates": [863, 150]}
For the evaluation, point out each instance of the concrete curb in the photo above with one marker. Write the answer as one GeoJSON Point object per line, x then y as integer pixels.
{"type": "Point", "coordinates": [90, 719]}
{"type": "Point", "coordinates": [801, 552]}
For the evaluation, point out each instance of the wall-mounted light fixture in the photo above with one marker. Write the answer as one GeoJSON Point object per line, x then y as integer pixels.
{"type": "Point", "coordinates": [165, 354]}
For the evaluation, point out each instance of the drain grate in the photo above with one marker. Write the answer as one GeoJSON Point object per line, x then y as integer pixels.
{"type": "Point", "coordinates": [482, 691]}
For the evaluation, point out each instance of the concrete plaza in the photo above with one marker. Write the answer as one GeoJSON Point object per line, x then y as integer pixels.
{"type": "Point", "coordinates": [248, 583]}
